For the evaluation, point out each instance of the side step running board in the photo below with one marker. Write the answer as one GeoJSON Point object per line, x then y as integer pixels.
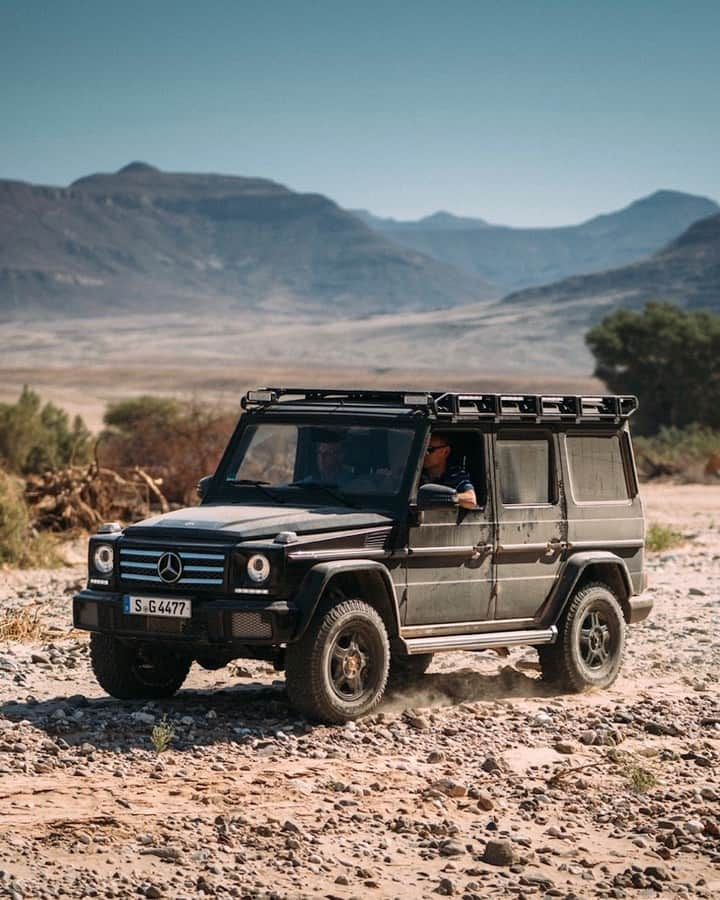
{"type": "Point", "coordinates": [533, 637]}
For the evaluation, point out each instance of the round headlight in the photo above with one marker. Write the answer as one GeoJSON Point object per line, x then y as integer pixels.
{"type": "Point", "coordinates": [258, 567]}
{"type": "Point", "coordinates": [103, 558]}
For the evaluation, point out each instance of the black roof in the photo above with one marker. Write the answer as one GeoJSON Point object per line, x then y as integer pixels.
{"type": "Point", "coordinates": [447, 405]}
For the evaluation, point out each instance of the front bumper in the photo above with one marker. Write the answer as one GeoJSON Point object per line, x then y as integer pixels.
{"type": "Point", "coordinates": [216, 623]}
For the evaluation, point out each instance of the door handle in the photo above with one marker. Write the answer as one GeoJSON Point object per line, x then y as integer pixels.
{"type": "Point", "coordinates": [555, 545]}
{"type": "Point", "coordinates": [481, 549]}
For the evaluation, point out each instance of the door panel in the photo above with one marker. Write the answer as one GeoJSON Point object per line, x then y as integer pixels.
{"type": "Point", "coordinates": [532, 529]}
{"type": "Point", "coordinates": [450, 562]}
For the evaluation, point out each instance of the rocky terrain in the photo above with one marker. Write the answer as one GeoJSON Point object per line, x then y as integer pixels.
{"type": "Point", "coordinates": [476, 782]}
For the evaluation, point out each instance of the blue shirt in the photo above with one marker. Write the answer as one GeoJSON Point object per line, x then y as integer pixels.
{"type": "Point", "coordinates": [454, 476]}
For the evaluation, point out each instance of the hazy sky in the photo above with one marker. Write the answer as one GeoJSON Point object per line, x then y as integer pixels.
{"type": "Point", "coordinates": [518, 112]}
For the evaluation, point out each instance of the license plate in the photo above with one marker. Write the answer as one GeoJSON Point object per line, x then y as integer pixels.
{"type": "Point", "coordinates": [157, 606]}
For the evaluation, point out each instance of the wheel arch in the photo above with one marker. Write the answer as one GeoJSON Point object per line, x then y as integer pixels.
{"type": "Point", "coordinates": [584, 568]}
{"type": "Point", "coordinates": [365, 578]}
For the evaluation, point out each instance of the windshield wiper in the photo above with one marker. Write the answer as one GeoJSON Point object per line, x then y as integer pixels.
{"type": "Point", "coordinates": [260, 485]}
{"type": "Point", "coordinates": [329, 489]}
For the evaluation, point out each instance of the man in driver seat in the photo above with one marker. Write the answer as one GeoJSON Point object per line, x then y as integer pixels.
{"type": "Point", "coordinates": [330, 459]}
{"type": "Point", "coordinates": [437, 470]}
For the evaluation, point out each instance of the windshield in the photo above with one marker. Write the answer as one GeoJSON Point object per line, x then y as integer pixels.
{"type": "Point", "coordinates": [350, 459]}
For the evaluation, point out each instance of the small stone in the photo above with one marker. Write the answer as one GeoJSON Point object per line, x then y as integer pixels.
{"type": "Point", "coordinates": [564, 747]}
{"type": "Point", "coordinates": [452, 848]}
{"type": "Point", "coordinates": [143, 718]}
{"type": "Point", "coordinates": [485, 801]}
{"type": "Point", "coordinates": [696, 592]}
{"type": "Point", "coordinates": [449, 787]}
{"type": "Point", "coordinates": [153, 892]}
{"type": "Point", "coordinates": [436, 756]}
{"type": "Point", "coordinates": [490, 764]}
{"type": "Point", "coordinates": [343, 880]}
{"type": "Point", "coordinates": [499, 853]}
{"type": "Point", "coordinates": [445, 888]}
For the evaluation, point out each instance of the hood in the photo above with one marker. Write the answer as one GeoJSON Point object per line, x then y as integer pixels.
{"type": "Point", "coordinates": [244, 523]}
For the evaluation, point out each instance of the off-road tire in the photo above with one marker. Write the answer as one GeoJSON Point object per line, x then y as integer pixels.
{"type": "Point", "coordinates": [131, 672]}
{"type": "Point", "coordinates": [317, 684]}
{"type": "Point", "coordinates": [590, 645]}
{"type": "Point", "coordinates": [406, 670]}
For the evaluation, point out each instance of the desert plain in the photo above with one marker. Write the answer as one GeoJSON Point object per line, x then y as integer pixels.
{"type": "Point", "coordinates": [478, 781]}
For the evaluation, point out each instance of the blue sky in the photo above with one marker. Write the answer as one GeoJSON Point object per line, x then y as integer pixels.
{"type": "Point", "coordinates": [518, 112]}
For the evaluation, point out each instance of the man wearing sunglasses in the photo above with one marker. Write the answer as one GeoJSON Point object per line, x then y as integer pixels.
{"type": "Point", "coordinates": [437, 470]}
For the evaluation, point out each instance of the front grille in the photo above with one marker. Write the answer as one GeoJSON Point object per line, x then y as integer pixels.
{"type": "Point", "coordinates": [200, 568]}
{"type": "Point", "coordinates": [250, 625]}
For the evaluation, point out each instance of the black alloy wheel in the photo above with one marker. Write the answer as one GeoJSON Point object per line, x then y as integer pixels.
{"type": "Point", "coordinates": [338, 669]}
{"type": "Point", "coordinates": [590, 645]}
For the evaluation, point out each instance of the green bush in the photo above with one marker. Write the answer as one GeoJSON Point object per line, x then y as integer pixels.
{"type": "Point", "coordinates": [19, 545]}
{"type": "Point", "coordinates": [34, 438]}
{"type": "Point", "coordinates": [14, 520]}
{"type": "Point", "coordinates": [661, 537]}
{"type": "Point", "coordinates": [684, 452]}
{"type": "Point", "coordinates": [668, 356]}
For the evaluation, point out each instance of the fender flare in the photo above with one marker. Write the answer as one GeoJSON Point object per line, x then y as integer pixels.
{"type": "Point", "coordinates": [571, 575]}
{"type": "Point", "coordinates": [317, 579]}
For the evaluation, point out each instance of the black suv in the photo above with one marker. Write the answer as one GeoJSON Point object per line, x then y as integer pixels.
{"type": "Point", "coordinates": [327, 543]}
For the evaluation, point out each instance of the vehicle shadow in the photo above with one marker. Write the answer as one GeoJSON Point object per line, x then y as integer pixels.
{"type": "Point", "coordinates": [246, 713]}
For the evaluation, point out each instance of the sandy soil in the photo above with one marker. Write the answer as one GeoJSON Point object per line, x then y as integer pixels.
{"type": "Point", "coordinates": [478, 782]}
{"type": "Point", "coordinates": [82, 364]}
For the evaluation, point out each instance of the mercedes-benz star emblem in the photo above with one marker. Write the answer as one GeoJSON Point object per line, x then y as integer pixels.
{"type": "Point", "coordinates": [170, 567]}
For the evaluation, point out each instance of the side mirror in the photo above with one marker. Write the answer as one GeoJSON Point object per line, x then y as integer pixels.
{"type": "Point", "coordinates": [435, 496]}
{"type": "Point", "coordinates": [203, 486]}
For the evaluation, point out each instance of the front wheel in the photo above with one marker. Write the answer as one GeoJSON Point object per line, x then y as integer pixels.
{"type": "Point", "coordinates": [338, 670]}
{"type": "Point", "coordinates": [589, 649]}
{"type": "Point", "coordinates": [135, 671]}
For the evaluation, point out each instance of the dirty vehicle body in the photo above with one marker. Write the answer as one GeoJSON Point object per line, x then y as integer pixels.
{"type": "Point", "coordinates": [318, 547]}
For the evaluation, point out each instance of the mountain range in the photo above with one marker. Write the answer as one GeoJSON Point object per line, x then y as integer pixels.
{"type": "Point", "coordinates": [685, 272]}
{"type": "Point", "coordinates": [286, 275]}
{"type": "Point", "coordinates": [145, 240]}
{"type": "Point", "coordinates": [515, 258]}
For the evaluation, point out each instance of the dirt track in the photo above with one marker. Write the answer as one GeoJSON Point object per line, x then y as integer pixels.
{"type": "Point", "coordinates": [601, 795]}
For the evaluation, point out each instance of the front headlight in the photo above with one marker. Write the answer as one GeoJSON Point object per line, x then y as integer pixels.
{"type": "Point", "coordinates": [103, 558]}
{"type": "Point", "coordinates": [258, 568]}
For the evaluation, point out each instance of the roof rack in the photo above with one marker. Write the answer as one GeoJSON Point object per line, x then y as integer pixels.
{"type": "Point", "coordinates": [450, 404]}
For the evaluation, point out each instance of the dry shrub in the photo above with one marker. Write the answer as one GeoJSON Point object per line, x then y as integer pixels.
{"type": "Point", "coordinates": [176, 442]}
{"type": "Point", "coordinates": [21, 625]}
{"type": "Point", "coordinates": [79, 498]}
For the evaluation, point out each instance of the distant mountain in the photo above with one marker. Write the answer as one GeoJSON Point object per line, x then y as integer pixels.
{"type": "Point", "coordinates": [439, 221]}
{"type": "Point", "coordinates": [686, 272]}
{"type": "Point", "coordinates": [145, 240]}
{"type": "Point", "coordinates": [515, 258]}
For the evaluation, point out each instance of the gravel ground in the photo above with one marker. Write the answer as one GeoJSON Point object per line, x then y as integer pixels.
{"type": "Point", "coordinates": [477, 782]}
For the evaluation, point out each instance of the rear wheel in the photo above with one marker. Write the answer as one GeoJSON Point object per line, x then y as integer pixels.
{"type": "Point", "coordinates": [591, 642]}
{"type": "Point", "coordinates": [136, 671]}
{"type": "Point", "coordinates": [338, 670]}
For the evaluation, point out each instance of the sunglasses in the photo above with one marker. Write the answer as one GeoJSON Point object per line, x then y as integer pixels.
{"type": "Point", "coordinates": [436, 447]}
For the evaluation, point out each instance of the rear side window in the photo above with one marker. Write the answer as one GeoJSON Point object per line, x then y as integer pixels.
{"type": "Point", "coordinates": [596, 468]}
{"type": "Point", "coordinates": [524, 470]}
